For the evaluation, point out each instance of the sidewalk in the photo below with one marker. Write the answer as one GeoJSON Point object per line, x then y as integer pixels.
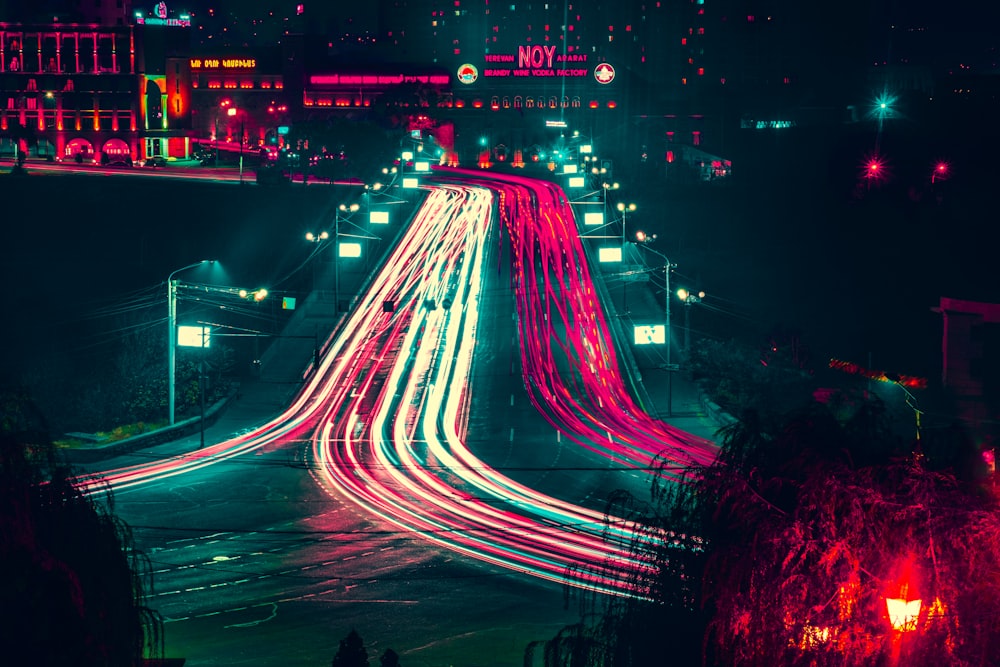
{"type": "Point", "coordinates": [287, 362]}
{"type": "Point", "coordinates": [667, 395]}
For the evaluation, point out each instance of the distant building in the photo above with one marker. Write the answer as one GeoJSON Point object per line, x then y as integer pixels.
{"type": "Point", "coordinates": [97, 91]}
{"type": "Point", "coordinates": [970, 359]}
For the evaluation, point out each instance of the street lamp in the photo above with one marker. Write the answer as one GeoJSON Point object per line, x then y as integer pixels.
{"type": "Point", "coordinates": [667, 267]}
{"type": "Point", "coordinates": [172, 336]}
{"type": "Point", "coordinates": [688, 298]}
{"type": "Point", "coordinates": [625, 209]}
{"type": "Point", "coordinates": [232, 111]}
{"type": "Point", "coordinates": [349, 210]}
{"type": "Point", "coordinates": [940, 172]}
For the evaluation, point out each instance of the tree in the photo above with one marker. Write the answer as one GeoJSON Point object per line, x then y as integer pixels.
{"type": "Point", "coordinates": [76, 584]}
{"type": "Point", "coordinates": [389, 659]}
{"type": "Point", "coordinates": [787, 548]}
{"type": "Point", "coordinates": [352, 651]}
{"type": "Point", "coordinates": [805, 544]}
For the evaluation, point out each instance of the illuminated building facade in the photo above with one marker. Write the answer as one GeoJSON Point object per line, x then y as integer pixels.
{"type": "Point", "coordinates": [233, 94]}
{"type": "Point", "coordinates": [70, 91]}
{"type": "Point", "coordinates": [92, 91]}
{"type": "Point", "coordinates": [596, 66]}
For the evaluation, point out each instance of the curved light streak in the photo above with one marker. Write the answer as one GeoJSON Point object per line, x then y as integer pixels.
{"type": "Point", "coordinates": [385, 408]}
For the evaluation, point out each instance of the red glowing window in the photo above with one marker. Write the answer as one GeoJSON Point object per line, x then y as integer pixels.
{"type": "Point", "coordinates": [696, 137]}
{"type": "Point", "coordinates": [751, 18]}
{"type": "Point", "coordinates": [628, 28]}
{"type": "Point", "coordinates": [684, 40]}
{"type": "Point", "coordinates": [701, 71]}
{"type": "Point", "coordinates": [701, 31]}
{"type": "Point", "coordinates": [593, 104]}
{"type": "Point", "coordinates": [612, 104]}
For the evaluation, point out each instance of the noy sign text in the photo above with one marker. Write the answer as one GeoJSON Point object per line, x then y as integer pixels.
{"type": "Point", "coordinates": [535, 57]}
{"type": "Point", "coordinates": [535, 60]}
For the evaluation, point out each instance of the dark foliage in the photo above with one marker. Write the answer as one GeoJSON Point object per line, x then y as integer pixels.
{"type": "Point", "coordinates": [389, 659]}
{"type": "Point", "coordinates": [75, 584]}
{"type": "Point", "coordinates": [352, 652]}
{"type": "Point", "coordinates": [785, 550]}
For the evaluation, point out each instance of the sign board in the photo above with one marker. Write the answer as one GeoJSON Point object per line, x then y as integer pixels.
{"type": "Point", "coordinates": [593, 218]}
{"type": "Point", "coordinates": [224, 64]}
{"type": "Point", "coordinates": [379, 217]}
{"type": "Point", "coordinates": [349, 249]}
{"type": "Point", "coordinates": [288, 303]}
{"type": "Point", "coordinates": [655, 334]}
{"type": "Point", "coordinates": [194, 336]}
{"type": "Point", "coordinates": [613, 254]}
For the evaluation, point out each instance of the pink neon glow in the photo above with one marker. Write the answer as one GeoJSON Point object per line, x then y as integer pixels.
{"type": "Point", "coordinates": [386, 407]}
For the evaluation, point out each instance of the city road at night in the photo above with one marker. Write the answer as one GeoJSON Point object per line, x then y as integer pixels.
{"type": "Point", "coordinates": [461, 433]}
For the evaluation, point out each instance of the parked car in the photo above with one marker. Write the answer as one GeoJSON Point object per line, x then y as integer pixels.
{"type": "Point", "coordinates": [155, 161]}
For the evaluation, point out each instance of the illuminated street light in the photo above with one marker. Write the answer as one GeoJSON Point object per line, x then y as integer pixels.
{"type": "Point", "coordinates": [172, 335]}
{"type": "Point", "coordinates": [625, 209]}
{"type": "Point", "coordinates": [233, 111]}
{"type": "Point", "coordinates": [668, 266]}
{"type": "Point", "coordinates": [940, 171]}
{"type": "Point", "coordinates": [341, 210]}
{"type": "Point", "coordinates": [688, 298]}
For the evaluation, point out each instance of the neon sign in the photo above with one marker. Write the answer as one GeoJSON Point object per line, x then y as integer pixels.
{"type": "Point", "coordinates": [223, 63]}
{"type": "Point", "coordinates": [152, 20]}
{"type": "Point", "coordinates": [604, 73]}
{"type": "Point", "coordinates": [376, 79]}
{"type": "Point", "coordinates": [535, 60]}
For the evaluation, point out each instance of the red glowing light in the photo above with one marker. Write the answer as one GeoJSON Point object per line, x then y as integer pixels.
{"type": "Point", "coordinates": [941, 169]}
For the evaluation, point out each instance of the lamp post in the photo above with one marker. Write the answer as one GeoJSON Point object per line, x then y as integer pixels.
{"type": "Point", "coordinates": [343, 208]}
{"type": "Point", "coordinates": [232, 111]}
{"type": "Point", "coordinates": [172, 335]}
{"type": "Point", "coordinates": [688, 298]}
{"type": "Point", "coordinates": [668, 337]}
{"type": "Point", "coordinates": [624, 209]}
{"type": "Point", "coordinates": [316, 238]}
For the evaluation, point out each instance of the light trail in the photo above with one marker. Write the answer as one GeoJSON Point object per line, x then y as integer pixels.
{"type": "Point", "coordinates": [386, 408]}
